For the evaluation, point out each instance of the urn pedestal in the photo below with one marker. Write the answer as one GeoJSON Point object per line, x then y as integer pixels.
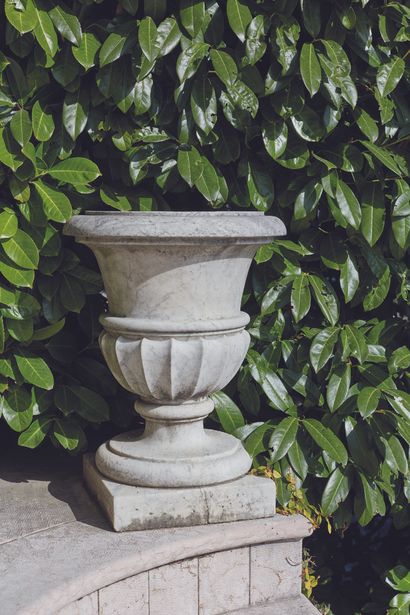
{"type": "Point", "coordinates": [174, 335]}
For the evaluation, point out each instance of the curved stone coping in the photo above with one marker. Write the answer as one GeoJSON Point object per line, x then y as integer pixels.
{"type": "Point", "coordinates": [124, 325]}
{"type": "Point", "coordinates": [166, 226]}
{"type": "Point", "coordinates": [64, 563]}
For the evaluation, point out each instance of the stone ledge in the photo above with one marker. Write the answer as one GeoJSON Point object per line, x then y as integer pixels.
{"type": "Point", "coordinates": [58, 551]}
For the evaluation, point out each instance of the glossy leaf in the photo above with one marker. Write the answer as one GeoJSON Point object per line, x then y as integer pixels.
{"type": "Point", "coordinates": [239, 17]}
{"type": "Point", "coordinates": [310, 68]}
{"type": "Point", "coordinates": [321, 349]}
{"type": "Point", "coordinates": [43, 122]}
{"type": "Point", "coordinates": [56, 205]}
{"type": "Point", "coordinates": [389, 75]}
{"type": "Point", "coordinates": [326, 440]}
{"type": "Point", "coordinates": [86, 52]}
{"type": "Point", "coordinates": [22, 250]}
{"type": "Point", "coordinates": [36, 432]}
{"type": "Point", "coordinates": [75, 171]}
{"type": "Point", "coordinates": [20, 127]}
{"type": "Point", "coordinates": [34, 370]}
{"type": "Point", "coordinates": [283, 437]}
{"type": "Point", "coordinates": [228, 412]}
{"type": "Point", "coordinates": [336, 491]}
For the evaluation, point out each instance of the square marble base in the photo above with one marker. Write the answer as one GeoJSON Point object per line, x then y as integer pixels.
{"type": "Point", "coordinates": [143, 508]}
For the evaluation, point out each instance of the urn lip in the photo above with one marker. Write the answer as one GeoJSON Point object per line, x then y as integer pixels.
{"type": "Point", "coordinates": [114, 226]}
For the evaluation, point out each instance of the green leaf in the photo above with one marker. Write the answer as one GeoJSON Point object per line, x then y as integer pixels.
{"type": "Point", "coordinates": [68, 433]}
{"type": "Point", "coordinates": [9, 154]}
{"type": "Point", "coordinates": [189, 165]}
{"type": "Point", "coordinates": [257, 441]}
{"type": "Point", "coordinates": [389, 75]}
{"type": "Point", "coordinates": [211, 184]}
{"type": "Point", "coordinates": [348, 204]}
{"type": "Point", "coordinates": [326, 440]}
{"type": "Point", "coordinates": [300, 297]}
{"type": "Point", "coordinates": [67, 24]}
{"type": "Point", "coordinates": [367, 124]}
{"type": "Point", "coordinates": [294, 157]}
{"type": "Point", "coordinates": [57, 206]}
{"type": "Point", "coordinates": [325, 298]}
{"type": "Point", "coordinates": [272, 386]}
{"type": "Point", "coordinates": [228, 412]}
{"type": "Point", "coordinates": [368, 401]}
{"type": "Point", "coordinates": [20, 127]}
{"type": "Point", "coordinates": [349, 277]}
{"type": "Point", "coordinates": [357, 343]}
{"type": "Point", "coordinates": [2, 337]}
{"type": "Point", "coordinates": [22, 17]}
{"type": "Point", "coordinates": [203, 104]}
{"type": "Point", "coordinates": [275, 137]}
{"type": "Point", "coordinates": [260, 187]}
{"type": "Point", "coordinates": [310, 68]}
{"type": "Point", "coordinates": [336, 491]}
{"type": "Point", "coordinates": [298, 460]}
{"type": "Point", "coordinates": [192, 14]}
{"type": "Point", "coordinates": [48, 331]}
{"type": "Point", "coordinates": [383, 156]}
{"type": "Point", "coordinates": [86, 52]}
{"type": "Point", "coordinates": [112, 48]}
{"type": "Point", "coordinates": [373, 213]}
{"type": "Point", "coordinates": [338, 387]}
{"type": "Point", "coordinates": [22, 250]}
{"type": "Point", "coordinates": [311, 16]}
{"type": "Point", "coordinates": [75, 171]}
{"type": "Point", "coordinates": [399, 578]}
{"type": "Point", "coordinates": [8, 224]}
{"type": "Point", "coordinates": [35, 434]}
{"type": "Point", "coordinates": [399, 360]}
{"type": "Point", "coordinates": [168, 36]}
{"type": "Point", "coordinates": [43, 123]}
{"type": "Point", "coordinates": [34, 370]}
{"type": "Point", "coordinates": [401, 230]}
{"type": "Point", "coordinates": [45, 33]}
{"type": "Point", "coordinates": [17, 408]}
{"type": "Point", "coordinates": [83, 401]}
{"type": "Point", "coordinates": [359, 445]}
{"type": "Point", "coordinates": [72, 294]}
{"type": "Point", "coordinates": [378, 291]}
{"type": "Point", "coordinates": [255, 38]}
{"type": "Point", "coordinates": [283, 437]}
{"type": "Point", "coordinates": [322, 347]}
{"type": "Point", "coordinates": [75, 112]}
{"type": "Point", "coordinates": [189, 60]}
{"type": "Point", "coordinates": [224, 66]}
{"type": "Point", "coordinates": [307, 199]}
{"type": "Point", "coordinates": [239, 17]}
{"type": "Point", "coordinates": [147, 32]}
{"type": "Point", "coordinates": [394, 454]}
{"type": "Point", "coordinates": [373, 502]}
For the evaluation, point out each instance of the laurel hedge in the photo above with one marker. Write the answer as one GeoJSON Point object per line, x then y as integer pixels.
{"type": "Point", "coordinates": [296, 109]}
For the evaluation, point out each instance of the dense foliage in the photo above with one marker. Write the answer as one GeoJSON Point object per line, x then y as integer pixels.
{"type": "Point", "coordinates": [297, 109]}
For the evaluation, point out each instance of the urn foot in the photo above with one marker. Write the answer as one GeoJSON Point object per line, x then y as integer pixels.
{"type": "Point", "coordinates": [174, 450]}
{"type": "Point", "coordinates": [145, 508]}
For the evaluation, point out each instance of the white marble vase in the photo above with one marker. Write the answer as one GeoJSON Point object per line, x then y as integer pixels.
{"type": "Point", "coordinates": [174, 334]}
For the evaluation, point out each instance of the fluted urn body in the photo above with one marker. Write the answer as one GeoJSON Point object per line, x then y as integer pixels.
{"type": "Point", "coordinates": [174, 334]}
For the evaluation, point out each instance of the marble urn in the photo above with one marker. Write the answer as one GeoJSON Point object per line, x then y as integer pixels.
{"type": "Point", "coordinates": [174, 334]}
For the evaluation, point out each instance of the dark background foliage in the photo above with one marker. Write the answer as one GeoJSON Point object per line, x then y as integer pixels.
{"type": "Point", "coordinates": [297, 109]}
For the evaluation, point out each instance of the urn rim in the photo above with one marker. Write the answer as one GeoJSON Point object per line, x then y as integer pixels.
{"type": "Point", "coordinates": [138, 226]}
